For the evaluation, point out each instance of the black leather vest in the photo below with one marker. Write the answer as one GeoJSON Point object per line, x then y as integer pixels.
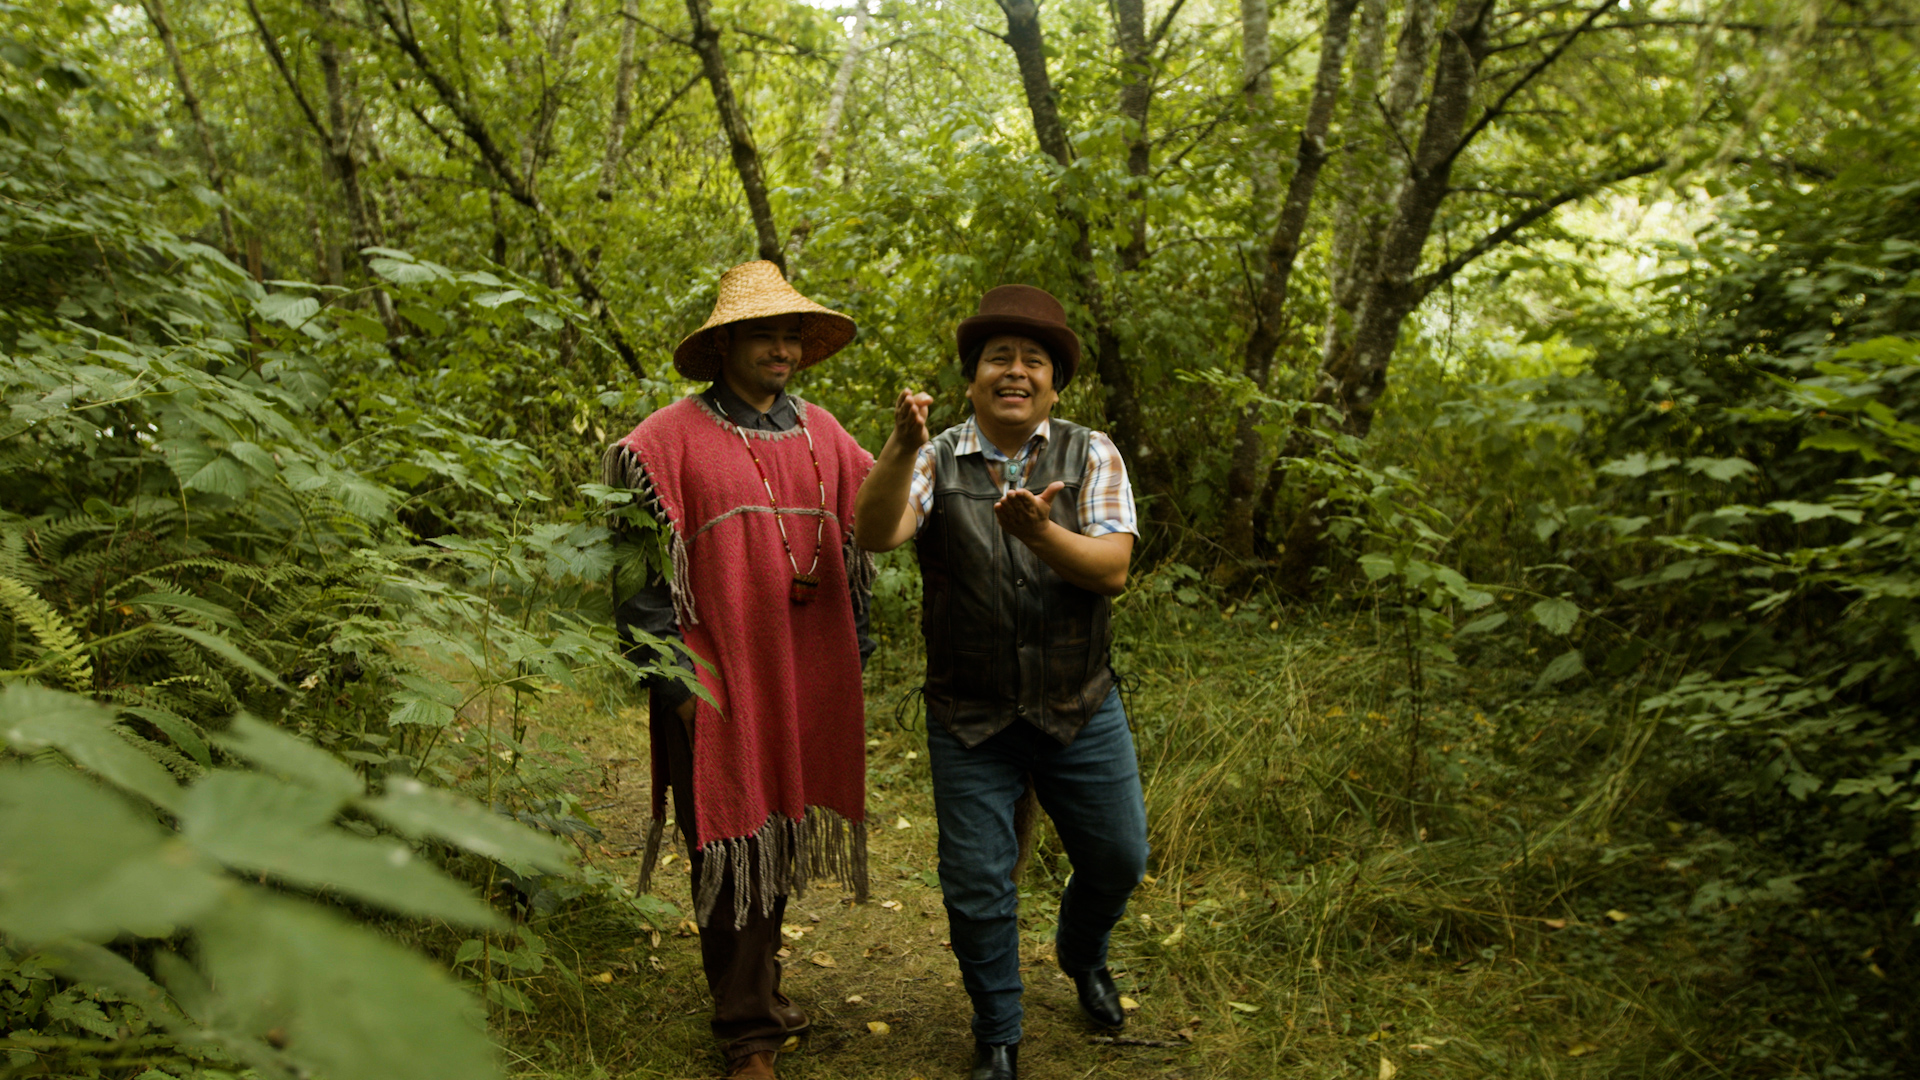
{"type": "Point", "coordinates": [1007, 638]}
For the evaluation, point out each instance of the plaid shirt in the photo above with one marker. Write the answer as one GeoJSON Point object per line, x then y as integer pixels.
{"type": "Point", "coordinates": [1106, 499]}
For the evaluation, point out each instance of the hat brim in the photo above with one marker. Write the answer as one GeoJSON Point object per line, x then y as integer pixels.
{"type": "Point", "coordinates": [822, 333]}
{"type": "Point", "coordinates": [1062, 344]}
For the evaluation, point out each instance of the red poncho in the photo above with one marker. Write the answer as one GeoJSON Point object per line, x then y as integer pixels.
{"type": "Point", "coordinates": [782, 761]}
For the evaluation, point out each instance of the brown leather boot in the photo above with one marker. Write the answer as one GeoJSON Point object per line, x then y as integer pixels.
{"type": "Point", "coordinates": [791, 1016]}
{"type": "Point", "coordinates": [758, 1065]}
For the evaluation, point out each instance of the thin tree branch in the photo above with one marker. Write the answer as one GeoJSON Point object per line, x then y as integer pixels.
{"type": "Point", "coordinates": [1493, 112]}
{"type": "Point", "coordinates": [1427, 282]}
{"type": "Point", "coordinates": [286, 74]}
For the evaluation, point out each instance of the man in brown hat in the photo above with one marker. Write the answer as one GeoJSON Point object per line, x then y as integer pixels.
{"type": "Point", "coordinates": [755, 488]}
{"type": "Point", "coordinates": [1024, 525]}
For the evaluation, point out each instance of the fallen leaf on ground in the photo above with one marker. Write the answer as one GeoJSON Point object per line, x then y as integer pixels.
{"type": "Point", "coordinates": [689, 928]}
{"type": "Point", "coordinates": [1129, 1004]}
{"type": "Point", "coordinates": [1555, 924]}
{"type": "Point", "coordinates": [653, 938]}
{"type": "Point", "coordinates": [903, 823]}
{"type": "Point", "coordinates": [1618, 916]}
{"type": "Point", "coordinates": [856, 1000]}
{"type": "Point", "coordinates": [1387, 1069]}
{"type": "Point", "coordinates": [1179, 933]}
{"type": "Point", "coordinates": [1242, 1007]}
{"type": "Point", "coordinates": [821, 959]}
{"type": "Point", "coordinates": [604, 977]}
{"type": "Point", "coordinates": [878, 1027]}
{"type": "Point", "coordinates": [792, 1044]}
{"type": "Point", "coordinates": [783, 953]}
{"type": "Point", "coordinates": [1581, 1049]}
{"type": "Point", "coordinates": [794, 932]}
{"type": "Point", "coordinates": [890, 905]}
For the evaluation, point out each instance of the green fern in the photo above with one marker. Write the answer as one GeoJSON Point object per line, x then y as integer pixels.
{"type": "Point", "coordinates": [63, 657]}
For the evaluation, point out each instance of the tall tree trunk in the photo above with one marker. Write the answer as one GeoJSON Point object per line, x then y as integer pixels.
{"type": "Point", "coordinates": [216, 175]}
{"type": "Point", "coordinates": [1370, 177]}
{"type": "Point", "coordinates": [733, 124]}
{"type": "Point", "coordinates": [547, 232]}
{"type": "Point", "coordinates": [1024, 37]}
{"type": "Point", "coordinates": [336, 138]}
{"type": "Point", "coordinates": [1256, 86]}
{"type": "Point", "coordinates": [622, 98]}
{"type": "Point", "coordinates": [1353, 377]}
{"type": "Point", "coordinates": [842, 83]}
{"type": "Point", "coordinates": [1283, 250]}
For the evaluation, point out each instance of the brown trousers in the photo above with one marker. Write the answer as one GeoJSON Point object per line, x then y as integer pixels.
{"type": "Point", "coordinates": [742, 973]}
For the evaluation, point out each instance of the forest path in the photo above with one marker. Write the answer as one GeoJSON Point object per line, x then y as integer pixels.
{"type": "Point", "coordinates": [849, 966]}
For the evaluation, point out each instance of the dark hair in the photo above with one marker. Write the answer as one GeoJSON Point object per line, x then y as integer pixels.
{"type": "Point", "coordinates": [970, 356]}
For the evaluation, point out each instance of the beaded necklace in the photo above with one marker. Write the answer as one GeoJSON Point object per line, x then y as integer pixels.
{"type": "Point", "coordinates": [804, 585]}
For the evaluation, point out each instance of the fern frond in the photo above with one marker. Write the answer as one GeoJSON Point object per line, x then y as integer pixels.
{"type": "Point", "coordinates": [61, 646]}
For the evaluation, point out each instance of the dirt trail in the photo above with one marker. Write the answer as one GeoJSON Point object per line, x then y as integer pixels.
{"type": "Point", "coordinates": [850, 966]}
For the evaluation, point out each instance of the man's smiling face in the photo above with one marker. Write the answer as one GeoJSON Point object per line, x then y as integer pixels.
{"type": "Point", "coordinates": [1012, 386]}
{"type": "Point", "coordinates": [761, 356]}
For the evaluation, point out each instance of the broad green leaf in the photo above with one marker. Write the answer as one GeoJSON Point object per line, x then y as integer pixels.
{"type": "Point", "coordinates": [1561, 668]}
{"type": "Point", "coordinates": [1376, 566]}
{"type": "Point", "coordinates": [420, 811]}
{"type": "Point", "coordinates": [79, 861]}
{"type": "Point", "coordinates": [1484, 623]}
{"type": "Point", "coordinates": [33, 716]}
{"type": "Point", "coordinates": [346, 1003]}
{"type": "Point", "coordinates": [1639, 464]}
{"type": "Point", "coordinates": [426, 319]}
{"type": "Point", "coordinates": [1555, 616]}
{"type": "Point", "coordinates": [221, 475]}
{"type": "Point", "coordinates": [291, 758]}
{"type": "Point", "coordinates": [258, 824]}
{"type": "Point", "coordinates": [288, 308]}
{"type": "Point", "coordinates": [1841, 440]}
{"type": "Point", "coordinates": [1721, 468]}
{"type": "Point", "coordinates": [1803, 512]}
{"type": "Point", "coordinates": [401, 273]}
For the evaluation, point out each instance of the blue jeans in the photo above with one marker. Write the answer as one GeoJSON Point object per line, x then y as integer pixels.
{"type": "Point", "coordinates": [1091, 790]}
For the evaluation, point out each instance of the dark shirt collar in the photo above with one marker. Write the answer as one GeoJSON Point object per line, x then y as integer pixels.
{"type": "Point", "coordinates": [780, 416]}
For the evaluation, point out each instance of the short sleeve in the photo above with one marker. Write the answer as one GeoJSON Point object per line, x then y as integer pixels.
{"type": "Point", "coordinates": [920, 494]}
{"type": "Point", "coordinates": [1106, 496]}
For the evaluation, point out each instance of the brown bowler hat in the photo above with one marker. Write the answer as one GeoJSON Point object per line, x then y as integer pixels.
{"type": "Point", "coordinates": [757, 290]}
{"type": "Point", "coordinates": [1029, 312]}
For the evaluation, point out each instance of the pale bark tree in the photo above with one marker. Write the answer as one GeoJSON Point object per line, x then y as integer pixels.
{"type": "Point", "coordinates": [216, 173]}
{"type": "Point", "coordinates": [733, 124]}
{"type": "Point", "coordinates": [548, 232]}
{"type": "Point", "coordinates": [1352, 378]}
{"type": "Point", "coordinates": [336, 134]}
{"type": "Point", "coordinates": [842, 84]}
{"type": "Point", "coordinates": [1025, 37]}
{"type": "Point", "coordinates": [1282, 252]}
{"type": "Point", "coordinates": [622, 98]}
{"type": "Point", "coordinates": [1256, 87]}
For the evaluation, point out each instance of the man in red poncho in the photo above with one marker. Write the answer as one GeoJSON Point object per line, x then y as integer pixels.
{"type": "Point", "coordinates": [755, 488]}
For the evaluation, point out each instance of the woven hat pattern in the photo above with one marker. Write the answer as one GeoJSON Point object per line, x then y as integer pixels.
{"type": "Point", "coordinates": [757, 290]}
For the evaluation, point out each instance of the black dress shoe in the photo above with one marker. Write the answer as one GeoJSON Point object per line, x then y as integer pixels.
{"type": "Point", "coordinates": [995, 1061]}
{"type": "Point", "coordinates": [1100, 998]}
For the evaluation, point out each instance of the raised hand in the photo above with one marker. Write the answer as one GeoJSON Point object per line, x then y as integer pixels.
{"type": "Point", "coordinates": [1025, 514]}
{"type": "Point", "coordinates": [910, 419]}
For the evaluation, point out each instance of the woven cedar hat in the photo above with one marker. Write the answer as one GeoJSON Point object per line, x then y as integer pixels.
{"type": "Point", "coordinates": [1029, 312]}
{"type": "Point", "coordinates": [757, 290]}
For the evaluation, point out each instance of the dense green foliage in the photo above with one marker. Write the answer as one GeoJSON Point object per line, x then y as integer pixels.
{"type": "Point", "coordinates": [307, 382]}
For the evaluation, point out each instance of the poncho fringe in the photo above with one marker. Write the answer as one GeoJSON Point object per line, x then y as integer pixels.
{"type": "Point", "coordinates": [785, 853]}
